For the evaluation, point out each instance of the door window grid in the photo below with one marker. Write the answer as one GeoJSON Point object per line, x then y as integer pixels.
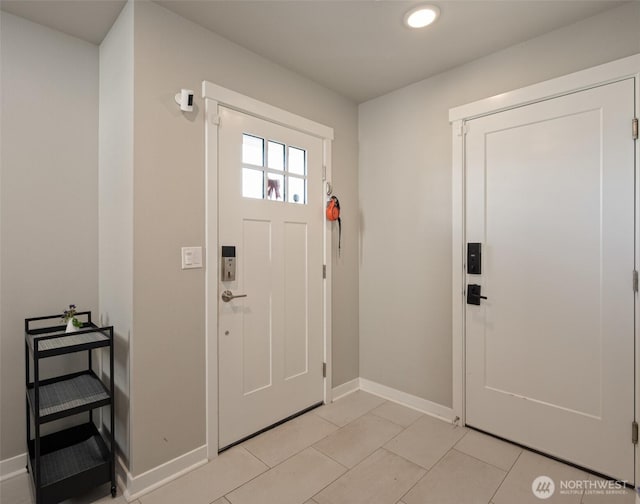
{"type": "Point", "coordinates": [273, 170]}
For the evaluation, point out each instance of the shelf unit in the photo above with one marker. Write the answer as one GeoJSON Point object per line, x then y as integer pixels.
{"type": "Point", "coordinates": [68, 462]}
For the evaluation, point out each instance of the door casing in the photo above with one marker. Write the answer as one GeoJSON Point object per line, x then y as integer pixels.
{"type": "Point", "coordinates": [214, 97]}
{"type": "Point", "coordinates": [614, 71]}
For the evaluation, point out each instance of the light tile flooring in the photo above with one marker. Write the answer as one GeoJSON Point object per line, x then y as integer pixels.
{"type": "Point", "coordinates": [361, 450]}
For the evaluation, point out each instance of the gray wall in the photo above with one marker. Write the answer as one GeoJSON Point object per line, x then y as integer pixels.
{"type": "Point", "coordinates": [405, 158]}
{"type": "Point", "coordinates": [168, 347]}
{"type": "Point", "coordinates": [116, 205]}
{"type": "Point", "coordinates": [49, 190]}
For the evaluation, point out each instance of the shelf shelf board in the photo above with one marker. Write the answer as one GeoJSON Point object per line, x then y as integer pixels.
{"type": "Point", "coordinates": [71, 460]}
{"type": "Point", "coordinates": [54, 341]}
{"type": "Point", "coordinates": [68, 395]}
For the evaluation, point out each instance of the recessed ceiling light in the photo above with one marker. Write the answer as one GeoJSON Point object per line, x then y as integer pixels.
{"type": "Point", "coordinates": [421, 16]}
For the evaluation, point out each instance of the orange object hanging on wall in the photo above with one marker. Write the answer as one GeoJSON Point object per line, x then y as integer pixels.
{"type": "Point", "coordinates": [333, 214]}
{"type": "Point", "coordinates": [333, 209]}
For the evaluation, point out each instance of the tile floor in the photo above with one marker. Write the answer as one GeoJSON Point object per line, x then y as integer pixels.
{"type": "Point", "coordinates": [361, 450]}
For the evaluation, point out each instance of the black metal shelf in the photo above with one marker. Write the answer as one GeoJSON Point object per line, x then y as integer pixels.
{"type": "Point", "coordinates": [68, 395]}
{"type": "Point", "coordinates": [69, 462]}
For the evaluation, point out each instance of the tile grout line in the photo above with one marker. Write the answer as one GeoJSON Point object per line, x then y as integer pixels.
{"type": "Point", "coordinates": [243, 445]}
{"type": "Point", "coordinates": [333, 480]}
{"type": "Point", "coordinates": [428, 470]}
{"type": "Point", "coordinates": [326, 419]}
{"type": "Point", "coordinates": [331, 458]}
{"type": "Point", "coordinates": [249, 480]}
{"type": "Point", "coordinates": [226, 496]}
{"type": "Point", "coordinates": [484, 461]}
{"type": "Point", "coordinates": [367, 456]}
{"type": "Point", "coordinates": [434, 464]}
{"type": "Point", "coordinates": [353, 419]}
{"type": "Point", "coordinates": [294, 454]}
{"type": "Point", "coordinates": [505, 477]}
{"type": "Point", "coordinates": [400, 425]}
{"type": "Point", "coordinates": [351, 469]}
{"type": "Point", "coordinates": [399, 433]}
{"type": "Point", "coordinates": [256, 456]}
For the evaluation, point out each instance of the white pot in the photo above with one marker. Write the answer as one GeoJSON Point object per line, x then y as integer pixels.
{"type": "Point", "coordinates": [70, 326]}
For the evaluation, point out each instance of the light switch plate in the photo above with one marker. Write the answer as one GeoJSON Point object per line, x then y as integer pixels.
{"type": "Point", "coordinates": [191, 257]}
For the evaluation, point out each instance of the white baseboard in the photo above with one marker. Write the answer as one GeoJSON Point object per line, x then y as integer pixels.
{"type": "Point", "coordinates": [346, 388]}
{"type": "Point", "coordinates": [13, 466]}
{"type": "Point", "coordinates": [136, 486]}
{"type": "Point", "coordinates": [414, 402]}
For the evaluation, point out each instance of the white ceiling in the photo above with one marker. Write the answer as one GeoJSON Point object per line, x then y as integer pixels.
{"type": "Point", "coordinates": [88, 20]}
{"type": "Point", "coordinates": [358, 48]}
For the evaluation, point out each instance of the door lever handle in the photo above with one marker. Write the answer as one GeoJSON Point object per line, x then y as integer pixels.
{"type": "Point", "coordinates": [228, 296]}
{"type": "Point", "coordinates": [473, 294]}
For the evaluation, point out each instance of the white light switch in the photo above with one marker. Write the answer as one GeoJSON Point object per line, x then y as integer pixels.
{"type": "Point", "coordinates": [191, 257]}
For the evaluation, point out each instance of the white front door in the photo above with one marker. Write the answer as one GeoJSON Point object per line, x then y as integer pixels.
{"type": "Point", "coordinates": [550, 352]}
{"type": "Point", "coordinates": [270, 343]}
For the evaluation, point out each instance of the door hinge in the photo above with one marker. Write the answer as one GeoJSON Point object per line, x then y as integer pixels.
{"type": "Point", "coordinates": [634, 432]}
{"type": "Point", "coordinates": [215, 119]}
{"type": "Point", "coordinates": [635, 280]}
{"type": "Point", "coordinates": [324, 375]}
{"type": "Point", "coordinates": [324, 172]}
{"type": "Point", "coordinates": [324, 271]}
{"type": "Point", "coordinates": [634, 128]}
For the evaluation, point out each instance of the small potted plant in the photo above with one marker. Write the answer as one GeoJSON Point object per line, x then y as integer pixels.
{"type": "Point", "coordinates": [69, 317]}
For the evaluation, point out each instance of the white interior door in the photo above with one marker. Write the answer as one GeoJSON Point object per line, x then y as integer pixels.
{"type": "Point", "coordinates": [270, 343]}
{"type": "Point", "coordinates": [550, 352]}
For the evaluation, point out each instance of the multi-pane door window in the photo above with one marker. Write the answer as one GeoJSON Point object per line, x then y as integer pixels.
{"type": "Point", "coordinates": [273, 170]}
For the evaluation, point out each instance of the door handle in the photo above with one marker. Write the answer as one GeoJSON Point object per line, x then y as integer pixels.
{"type": "Point", "coordinates": [473, 294]}
{"type": "Point", "coordinates": [228, 296]}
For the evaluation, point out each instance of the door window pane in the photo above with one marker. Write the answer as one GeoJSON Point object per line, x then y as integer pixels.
{"type": "Point", "coordinates": [275, 156]}
{"type": "Point", "coordinates": [297, 161]}
{"type": "Point", "coordinates": [275, 187]}
{"type": "Point", "coordinates": [252, 150]}
{"type": "Point", "coordinates": [273, 170]}
{"type": "Point", "coordinates": [252, 183]}
{"type": "Point", "coordinates": [297, 192]}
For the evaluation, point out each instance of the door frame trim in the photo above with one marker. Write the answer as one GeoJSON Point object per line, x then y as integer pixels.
{"type": "Point", "coordinates": [215, 96]}
{"type": "Point", "coordinates": [607, 73]}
